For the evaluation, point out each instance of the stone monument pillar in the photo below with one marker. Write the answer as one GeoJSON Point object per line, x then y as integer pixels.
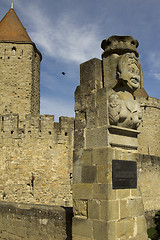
{"type": "Point", "coordinates": [107, 201]}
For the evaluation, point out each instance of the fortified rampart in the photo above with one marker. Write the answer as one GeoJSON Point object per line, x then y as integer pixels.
{"type": "Point", "coordinates": [114, 160]}
{"type": "Point", "coordinates": [36, 159]}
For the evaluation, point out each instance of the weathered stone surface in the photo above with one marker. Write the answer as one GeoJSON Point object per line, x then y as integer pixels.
{"type": "Point", "coordinates": [83, 191]}
{"type": "Point", "coordinates": [89, 174]}
{"type": "Point", "coordinates": [38, 159]}
{"type": "Point", "coordinates": [100, 230]}
{"type": "Point", "coordinates": [80, 207]}
{"type": "Point", "coordinates": [17, 94]}
{"type": "Point", "coordinates": [24, 221]}
{"type": "Point", "coordinates": [101, 156]}
{"type": "Point", "coordinates": [91, 70]}
{"type": "Point", "coordinates": [83, 157]}
{"type": "Point", "coordinates": [110, 210]}
{"type": "Point", "coordinates": [131, 207]}
{"type": "Point", "coordinates": [141, 225]}
{"type": "Point", "coordinates": [96, 138]}
{"type": "Point", "coordinates": [124, 111]}
{"type": "Point", "coordinates": [94, 207]}
{"type": "Point", "coordinates": [82, 227]}
{"type": "Point", "coordinates": [125, 228]}
{"type": "Point", "coordinates": [149, 139]}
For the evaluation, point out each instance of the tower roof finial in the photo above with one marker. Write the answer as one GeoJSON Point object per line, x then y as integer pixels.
{"type": "Point", "coordinates": [12, 4]}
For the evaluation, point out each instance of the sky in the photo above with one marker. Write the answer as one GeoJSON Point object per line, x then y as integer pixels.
{"type": "Point", "coordinates": [70, 32]}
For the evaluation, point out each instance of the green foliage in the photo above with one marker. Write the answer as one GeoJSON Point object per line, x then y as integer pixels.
{"type": "Point", "coordinates": [152, 233]}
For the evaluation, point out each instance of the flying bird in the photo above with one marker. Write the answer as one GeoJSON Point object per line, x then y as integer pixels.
{"type": "Point", "coordinates": [63, 73]}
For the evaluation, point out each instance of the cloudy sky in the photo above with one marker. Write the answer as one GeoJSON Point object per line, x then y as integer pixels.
{"type": "Point", "coordinates": [69, 32]}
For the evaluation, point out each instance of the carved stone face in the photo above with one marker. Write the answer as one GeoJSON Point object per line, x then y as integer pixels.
{"type": "Point", "coordinates": [130, 73]}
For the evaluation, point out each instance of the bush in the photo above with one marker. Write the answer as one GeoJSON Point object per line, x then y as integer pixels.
{"type": "Point", "coordinates": [154, 233]}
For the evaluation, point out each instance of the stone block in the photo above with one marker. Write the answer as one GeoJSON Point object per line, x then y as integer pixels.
{"type": "Point", "coordinates": [94, 207]}
{"type": "Point", "coordinates": [122, 141]}
{"type": "Point", "coordinates": [102, 107]}
{"type": "Point", "coordinates": [96, 138]}
{"type": "Point", "coordinates": [141, 225]}
{"type": "Point", "coordinates": [103, 173]}
{"type": "Point", "coordinates": [77, 172]}
{"type": "Point", "coordinates": [86, 157]}
{"type": "Point", "coordinates": [79, 139]}
{"type": "Point", "coordinates": [100, 230]}
{"type": "Point", "coordinates": [83, 191]}
{"type": "Point", "coordinates": [123, 193]}
{"type": "Point", "coordinates": [82, 157]}
{"type": "Point", "coordinates": [91, 70]}
{"type": "Point", "coordinates": [89, 174]}
{"type": "Point", "coordinates": [92, 119]}
{"type": "Point", "coordinates": [125, 228]}
{"type": "Point", "coordinates": [111, 193]}
{"type": "Point", "coordinates": [104, 192]}
{"type": "Point", "coordinates": [131, 207]}
{"type": "Point", "coordinates": [102, 156]}
{"type": "Point", "coordinates": [80, 207]}
{"type": "Point", "coordinates": [80, 120]}
{"type": "Point", "coordinates": [112, 230]}
{"type": "Point", "coordinates": [110, 210]}
{"type": "Point", "coordinates": [82, 227]}
{"type": "Point", "coordinates": [100, 191]}
{"type": "Point", "coordinates": [110, 66]}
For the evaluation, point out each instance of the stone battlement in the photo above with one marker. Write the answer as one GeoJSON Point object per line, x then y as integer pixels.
{"type": "Point", "coordinates": [149, 102]}
{"type": "Point", "coordinates": [35, 126]}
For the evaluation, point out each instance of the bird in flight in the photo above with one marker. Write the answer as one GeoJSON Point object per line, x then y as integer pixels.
{"type": "Point", "coordinates": [63, 73]}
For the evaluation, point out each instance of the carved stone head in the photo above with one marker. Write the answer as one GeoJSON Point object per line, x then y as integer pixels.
{"type": "Point", "coordinates": [129, 72]}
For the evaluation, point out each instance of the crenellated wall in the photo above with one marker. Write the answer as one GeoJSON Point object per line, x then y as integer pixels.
{"type": "Point", "coordinates": [36, 159]}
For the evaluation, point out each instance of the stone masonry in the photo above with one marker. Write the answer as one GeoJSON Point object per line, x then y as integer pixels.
{"type": "Point", "coordinates": [116, 124]}
{"type": "Point", "coordinates": [35, 151]}
{"type": "Point", "coordinates": [102, 209]}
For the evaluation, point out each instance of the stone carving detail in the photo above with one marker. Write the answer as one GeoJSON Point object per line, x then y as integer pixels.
{"type": "Point", "coordinates": [124, 111]}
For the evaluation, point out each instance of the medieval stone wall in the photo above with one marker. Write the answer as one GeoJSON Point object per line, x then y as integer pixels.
{"type": "Point", "coordinates": [36, 159]}
{"type": "Point", "coordinates": [149, 137]}
{"type": "Point", "coordinates": [149, 175]}
{"type": "Point", "coordinates": [19, 74]}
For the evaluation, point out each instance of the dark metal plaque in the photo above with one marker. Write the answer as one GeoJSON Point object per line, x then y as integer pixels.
{"type": "Point", "coordinates": [124, 174]}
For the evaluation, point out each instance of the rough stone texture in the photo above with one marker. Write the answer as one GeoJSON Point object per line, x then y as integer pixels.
{"type": "Point", "coordinates": [36, 160]}
{"type": "Point", "coordinates": [107, 213]}
{"type": "Point", "coordinates": [35, 222]}
{"type": "Point", "coordinates": [149, 176]}
{"type": "Point", "coordinates": [111, 214]}
{"type": "Point", "coordinates": [20, 79]}
{"type": "Point", "coordinates": [149, 138]}
{"type": "Point", "coordinates": [36, 153]}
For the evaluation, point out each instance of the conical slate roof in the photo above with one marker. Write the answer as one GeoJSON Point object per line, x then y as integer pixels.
{"type": "Point", "coordinates": [11, 28]}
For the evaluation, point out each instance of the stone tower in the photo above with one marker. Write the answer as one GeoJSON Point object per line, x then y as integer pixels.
{"type": "Point", "coordinates": [19, 68]}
